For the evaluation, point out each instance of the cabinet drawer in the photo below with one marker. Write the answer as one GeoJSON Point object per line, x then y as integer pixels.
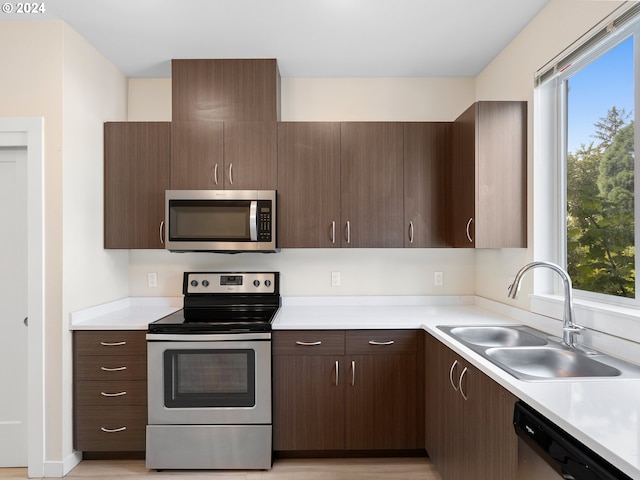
{"type": "Point", "coordinates": [107, 342]}
{"type": "Point", "coordinates": [111, 394]}
{"type": "Point", "coordinates": [364, 342]}
{"type": "Point", "coordinates": [107, 367]}
{"type": "Point", "coordinates": [311, 342]}
{"type": "Point", "coordinates": [111, 429]}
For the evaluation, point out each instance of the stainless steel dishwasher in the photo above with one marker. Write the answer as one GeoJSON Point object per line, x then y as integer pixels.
{"type": "Point", "coordinates": [545, 451]}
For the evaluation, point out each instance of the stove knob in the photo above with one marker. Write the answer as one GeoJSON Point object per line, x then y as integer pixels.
{"type": "Point", "coordinates": [194, 283]}
{"type": "Point", "coordinates": [267, 283]}
{"type": "Point", "coordinates": [205, 283]}
{"type": "Point", "coordinates": [256, 283]}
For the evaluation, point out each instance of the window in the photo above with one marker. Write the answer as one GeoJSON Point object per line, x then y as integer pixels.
{"type": "Point", "coordinates": [598, 115]}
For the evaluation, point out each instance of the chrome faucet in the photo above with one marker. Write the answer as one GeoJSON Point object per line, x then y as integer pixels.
{"type": "Point", "coordinates": [570, 330]}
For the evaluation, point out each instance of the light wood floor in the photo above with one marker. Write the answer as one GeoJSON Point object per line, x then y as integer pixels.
{"type": "Point", "coordinates": [289, 469]}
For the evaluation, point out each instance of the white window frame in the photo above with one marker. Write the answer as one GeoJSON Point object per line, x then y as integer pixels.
{"type": "Point", "coordinates": [604, 313]}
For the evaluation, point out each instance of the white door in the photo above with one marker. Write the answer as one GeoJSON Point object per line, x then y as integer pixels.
{"type": "Point", "coordinates": [13, 304]}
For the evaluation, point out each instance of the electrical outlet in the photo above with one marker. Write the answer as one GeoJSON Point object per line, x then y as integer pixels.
{"type": "Point", "coordinates": [335, 279]}
{"type": "Point", "coordinates": [152, 279]}
{"type": "Point", "coordinates": [438, 279]}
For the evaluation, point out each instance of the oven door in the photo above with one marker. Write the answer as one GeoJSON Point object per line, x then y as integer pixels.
{"type": "Point", "coordinates": [209, 380]}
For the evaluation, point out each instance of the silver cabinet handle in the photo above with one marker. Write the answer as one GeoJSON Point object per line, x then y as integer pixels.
{"type": "Point", "coordinates": [113, 344]}
{"type": "Point", "coordinates": [231, 174]}
{"type": "Point", "coordinates": [308, 344]}
{"type": "Point", "coordinates": [374, 342]}
{"type": "Point", "coordinates": [215, 174]}
{"type": "Point", "coordinates": [453, 367]}
{"type": "Point", "coordinates": [333, 232]}
{"type": "Point", "coordinates": [464, 372]}
{"type": "Point", "coordinates": [119, 394]}
{"type": "Point", "coordinates": [116, 369]}
{"type": "Point", "coordinates": [468, 230]}
{"type": "Point", "coordinates": [353, 372]}
{"type": "Point", "coordinates": [26, 321]}
{"type": "Point", "coordinates": [162, 232]}
{"type": "Point", "coordinates": [113, 430]}
{"type": "Point", "coordinates": [337, 372]}
{"type": "Point", "coordinates": [411, 231]}
{"type": "Point", "coordinates": [348, 231]}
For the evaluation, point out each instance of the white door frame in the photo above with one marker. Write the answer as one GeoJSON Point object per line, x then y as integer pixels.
{"type": "Point", "coordinates": [34, 129]}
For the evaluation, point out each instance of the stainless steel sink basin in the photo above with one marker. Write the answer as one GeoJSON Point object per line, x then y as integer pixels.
{"type": "Point", "coordinates": [532, 355]}
{"type": "Point", "coordinates": [497, 336]}
{"type": "Point", "coordinates": [550, 362]}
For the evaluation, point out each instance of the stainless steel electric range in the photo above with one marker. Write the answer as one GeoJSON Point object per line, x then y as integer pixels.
{"type": "Point", "coordinates": [209, 374]}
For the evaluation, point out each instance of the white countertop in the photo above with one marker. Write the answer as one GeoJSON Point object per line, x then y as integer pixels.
{"type": "Point", "coordinates": [133, 313]}
{"type": "Point", "coordinates": [603, 414]}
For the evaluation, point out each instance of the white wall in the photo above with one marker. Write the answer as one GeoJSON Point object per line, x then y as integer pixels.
{"type": "Point", "coordinates": [94, 91]}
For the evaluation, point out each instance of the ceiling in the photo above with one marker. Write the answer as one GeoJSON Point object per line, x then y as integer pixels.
{"type": "Point", "coordinates": [310, 38]}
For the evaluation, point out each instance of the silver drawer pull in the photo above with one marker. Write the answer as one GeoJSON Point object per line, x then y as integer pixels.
{"type": "Point", "coordinates": [373, 342]}
{"type": "Point", "coordinates": [116, 369]}
{"type": "Point", "coordinates": [308, 344]}
{"type": "Point", "coordinates": [112, 344]}
{"type": "Point", "coordinates": [113, 430]}
{"type": "Point", "coordinates": [119, 394]}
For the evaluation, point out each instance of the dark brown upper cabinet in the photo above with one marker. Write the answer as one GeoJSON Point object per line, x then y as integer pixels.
{"type": "Point", "coordinates": [225, 90]}
{"type": "Point", "coordinates": [427, 153]}
{"type": "Point", "coordinates": [224, 115]}
{"type": "Point", "coordinates": [371, 184]}
{"type": "Point", "coordinates": [136, 174]}
{"type": "Point", "coordinates": [250, 155]}
{"type": "Point", "coordinates": [224, 155]}
{"type": "Point", "coordinates": [309, 184]}
{"type": "Point", "coordinates": [489, 176]}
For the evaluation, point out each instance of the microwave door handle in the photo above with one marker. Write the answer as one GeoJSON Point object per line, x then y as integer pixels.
{"type": "Point", "coordinates": [253, 221]}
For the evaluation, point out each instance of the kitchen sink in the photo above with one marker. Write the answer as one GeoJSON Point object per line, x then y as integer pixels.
{"type": "Point", "coordinates": [532, 355]}
{"type": "Point", "coordinates": [549, 362]}
{"type": "Point", "coordinates": [497, 336]}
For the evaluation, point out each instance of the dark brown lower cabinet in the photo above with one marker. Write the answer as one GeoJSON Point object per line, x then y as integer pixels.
{"type": "Point", "coordinates": [347, 390]}
{"type": "Point", "coordinates": [469, 430]}
{"type": "Point", "coordinates": [110, 391]}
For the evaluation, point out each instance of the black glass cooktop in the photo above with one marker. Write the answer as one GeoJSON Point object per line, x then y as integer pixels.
{"type": "Point", "coordinates": [226, 321]}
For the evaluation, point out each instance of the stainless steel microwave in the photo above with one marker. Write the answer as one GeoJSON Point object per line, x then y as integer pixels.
{"type": "Point", "coordinates": [228, 221]}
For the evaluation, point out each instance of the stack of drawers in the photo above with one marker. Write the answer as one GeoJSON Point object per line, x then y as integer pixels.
{"type": "Point", "coordinates": [110, 391]}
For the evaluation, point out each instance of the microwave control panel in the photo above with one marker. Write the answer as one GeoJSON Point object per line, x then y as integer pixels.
{"type": "Point", "coordinates": [264, 220]}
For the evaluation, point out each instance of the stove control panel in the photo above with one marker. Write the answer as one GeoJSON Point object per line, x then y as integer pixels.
{"type": "Point", "coordinates": [230, 282]}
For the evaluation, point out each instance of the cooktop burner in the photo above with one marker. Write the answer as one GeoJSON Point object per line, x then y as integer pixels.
{"type": "Point", "coordinates": [216, 302]}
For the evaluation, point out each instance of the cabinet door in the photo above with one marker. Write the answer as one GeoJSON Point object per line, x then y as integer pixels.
{"type": "Point", "coordinates": [427, 152]}
{"type": "Point", "coordinates": [372, 190]}
{"type": "Point", "coordinates": [463, 187]}
{"type": "Point", "coordinates": [225, 89]}
{"type": "Point", "coordinates": [136, 174]}
{"type": "Point", "coordinates": [489, 440]}
{"type": "Point", "coordinates": [381, 402]}
{"type": "Point", "coordinates": [308, 402]}
{"type": "Point", "coordinates": [250, 156]}
{"type": "Point", "coordinates": [501, 164]}
{"type": "Point", "coordinates": [197, 155]}
{"type": "Point", "coordinates": [309, 185]}
{"type": "Point", "coordinates": [489, 178]}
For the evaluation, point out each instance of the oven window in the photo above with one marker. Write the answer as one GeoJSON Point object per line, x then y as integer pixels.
{"type": "Point", "coordinates": [209, 378]}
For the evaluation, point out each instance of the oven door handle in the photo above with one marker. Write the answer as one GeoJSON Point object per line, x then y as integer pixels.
{"type": "Point", "coordinates": [207, 337]}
